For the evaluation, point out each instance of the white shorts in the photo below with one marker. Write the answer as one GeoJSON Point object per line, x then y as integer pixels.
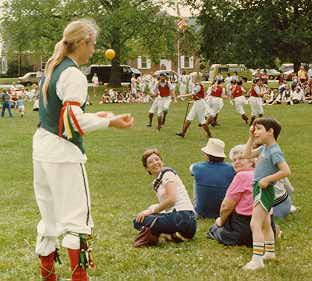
{"type": "Point", "coordinates": [62, 195]}
{"type": "Point", "coordinates": [255, 105]}
{"type": "Point", "coordinates": [163, 104]}
{"type": "Point", "coordinates": [154, 106]}
{"type": "Point", "coordinates": [239, 103]}
{"type": "Point", "coordinates": [21, 108]}
{"type": "Point", "coordinates": [215, 106]}
{"type": "Point", "coordinates": [198, 110]}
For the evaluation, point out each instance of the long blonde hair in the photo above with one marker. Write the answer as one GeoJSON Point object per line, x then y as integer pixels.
{"type": "Point", "coordinates": [74, 32]}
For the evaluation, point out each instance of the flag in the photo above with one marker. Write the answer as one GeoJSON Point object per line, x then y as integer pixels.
{"type": "Point", "coordinates": [181, 23]}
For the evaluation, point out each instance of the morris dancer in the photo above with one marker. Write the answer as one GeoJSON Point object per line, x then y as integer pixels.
{"type": "Point", "coordinates": [215, 103]}
{"type": "Point", "coordinates": [239, 99]}
{"type": "Point", "coordinates": [161, 104]}
{"type": "Point", "coordinates": [60, 179]}
{"type": "Point", "coordinates": [255, 100]}
{"type": "Point", "coordinates": [198, 108]}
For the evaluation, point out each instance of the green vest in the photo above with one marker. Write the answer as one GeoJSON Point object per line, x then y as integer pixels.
{"type": "Point", "coordinates": [49, 115]}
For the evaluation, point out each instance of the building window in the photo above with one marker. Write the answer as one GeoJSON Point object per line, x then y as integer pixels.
{"type": "Point", "coordinates": [144, 63]}
{"type": "Point", "coordinates": [187, 62]}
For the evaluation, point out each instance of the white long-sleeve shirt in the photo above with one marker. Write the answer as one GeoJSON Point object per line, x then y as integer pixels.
{"type": "Point", "coordinates": [72, 85]}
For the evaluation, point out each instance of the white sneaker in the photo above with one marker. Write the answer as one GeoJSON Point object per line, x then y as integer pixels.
{"type": "Point", "coordinates": [254, 265]}
{"type": "Point", "coordinates": [269, 256]}
{"type": "Point", "coordinates": [293, 209]}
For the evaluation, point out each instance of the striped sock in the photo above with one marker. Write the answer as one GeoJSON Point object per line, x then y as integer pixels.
{"type": "Point", "coordinates": [257, 250]}
{"type": "Point", "coordinates": [269, 247]}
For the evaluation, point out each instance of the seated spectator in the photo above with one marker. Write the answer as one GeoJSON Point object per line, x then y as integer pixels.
{"type": "Point", "coordinates": [232, 227]}
{"type": "Point", "coordinates": [297, 95]}
{"type": "Point", "coordinates": [105, 99]}
{"type": "Point", "coordinates": [282, 203]}
{"type": "Point", "coordinates": [174, 215]}
{"type": "Point", "coordinates": [212, 178]}
{"type": "Point", "coordinates": [308, 92]}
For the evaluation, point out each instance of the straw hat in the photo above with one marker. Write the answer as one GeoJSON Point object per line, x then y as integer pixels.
{"type": "Point", "coordinates": [214, 147]}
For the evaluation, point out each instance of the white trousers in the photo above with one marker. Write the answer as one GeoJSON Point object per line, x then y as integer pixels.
{"type": "Point", "coordinates": [62, 195]}
{"type": "Point", "coordinates": [255, 105]}
{"type": "Point", "coordinates": [198, 110]}
{"type": "Point", "coordinates": [154, 107]}
{"type": "Point", "coordinates": [215, 106]}
{"type": "Point", "coordinates": [182, 88]}
{"type": "Point", "coordinates": [163, 104]}
{"type": "Point", "coordinates": [239, 103]}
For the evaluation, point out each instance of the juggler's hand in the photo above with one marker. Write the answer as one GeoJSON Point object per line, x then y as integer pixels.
{"type": "Point", "coordinates": [121, 121]}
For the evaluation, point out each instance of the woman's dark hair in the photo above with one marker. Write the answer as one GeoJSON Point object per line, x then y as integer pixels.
{"type": "Point", "coordinates": [215, 159]}
{"type": "Point", "coordinates": [269, 123]}
{"type": "Point", "coordinates": [147, 153]}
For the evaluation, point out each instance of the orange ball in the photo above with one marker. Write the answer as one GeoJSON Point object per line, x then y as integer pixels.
{"type": "Point", "coordinates": [110, 54]}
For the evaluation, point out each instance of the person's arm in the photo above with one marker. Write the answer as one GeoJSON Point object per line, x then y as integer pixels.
{"type": "Point", "coordinates": [72, 87]}
{"type": "Point", "coordinates": [227, 207]}
{"type": "Point", "coordinates": [170, 191]}
{"type": "Point", "coordinates": [284, 171]}
{"type": "Point", "coordinates": [289, 187]}
{"type": "Point", "coordinates": [249, 151]}
{"type": "Point", "coordinates": [172, 92]}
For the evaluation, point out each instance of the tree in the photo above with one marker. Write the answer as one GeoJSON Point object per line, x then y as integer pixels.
{"type": "Point", "coordinates": [121, 22]}
{"type": "Point", "coordinates": [256, 32]}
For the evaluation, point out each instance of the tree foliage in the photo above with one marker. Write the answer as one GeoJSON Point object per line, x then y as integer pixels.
{"type": "Point", "coordinates": [34, 25]}
{"type": "Point", "coordinates": [256, 32]}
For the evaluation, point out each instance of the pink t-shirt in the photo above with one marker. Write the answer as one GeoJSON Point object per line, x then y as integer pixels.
{"type": "Point", "coordinates": [240, 191]}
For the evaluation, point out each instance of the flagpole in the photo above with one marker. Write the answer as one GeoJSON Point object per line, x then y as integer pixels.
{"type": "Point", "coordinates": [179, 71]}
{"type": "Point", "coordinates": [178, 13]}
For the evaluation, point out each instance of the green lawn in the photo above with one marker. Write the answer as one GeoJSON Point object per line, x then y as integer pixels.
{"type": "Point", "coordinates": [120, 188]}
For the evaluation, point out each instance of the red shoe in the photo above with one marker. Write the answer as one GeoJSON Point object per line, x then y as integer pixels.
{"type": "Point", "coordinates": [47, 269]}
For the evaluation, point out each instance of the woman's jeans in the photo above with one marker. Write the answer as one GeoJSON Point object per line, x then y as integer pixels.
{"type": "Point", "coordinates": [183, 222]}
{"type": "Point", "coordinates": [8, 106]}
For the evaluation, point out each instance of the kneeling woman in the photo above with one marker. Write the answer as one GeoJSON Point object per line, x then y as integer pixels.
{"type": "Point", "coordinates": [174, 215]}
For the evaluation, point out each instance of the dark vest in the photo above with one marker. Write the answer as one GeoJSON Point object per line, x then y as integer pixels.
{"type": "Point", "coordinates": [49, 115]}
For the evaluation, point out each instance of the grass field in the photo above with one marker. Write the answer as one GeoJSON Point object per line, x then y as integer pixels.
{"type": "Point", "coordinates": [120, 188]}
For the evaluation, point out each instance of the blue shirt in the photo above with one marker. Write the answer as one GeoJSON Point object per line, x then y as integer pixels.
{"type": "Point", "coordinates": [211, 182]}
{"type": "Point", "coordinates": [268, 159]}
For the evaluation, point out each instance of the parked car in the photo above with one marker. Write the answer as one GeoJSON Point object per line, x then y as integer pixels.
{"type": "Point", "coordinates": [29, 79]}
{"type": "Point", "coordinates": [104, 71]}
{"type": "Point", "coordinates": [241, 70]}
{"type": "Point", "coordinates": [272, 73]}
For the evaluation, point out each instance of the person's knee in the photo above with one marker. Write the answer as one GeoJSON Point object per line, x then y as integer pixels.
{"type": "Point", "coordinates": [255, 225]}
